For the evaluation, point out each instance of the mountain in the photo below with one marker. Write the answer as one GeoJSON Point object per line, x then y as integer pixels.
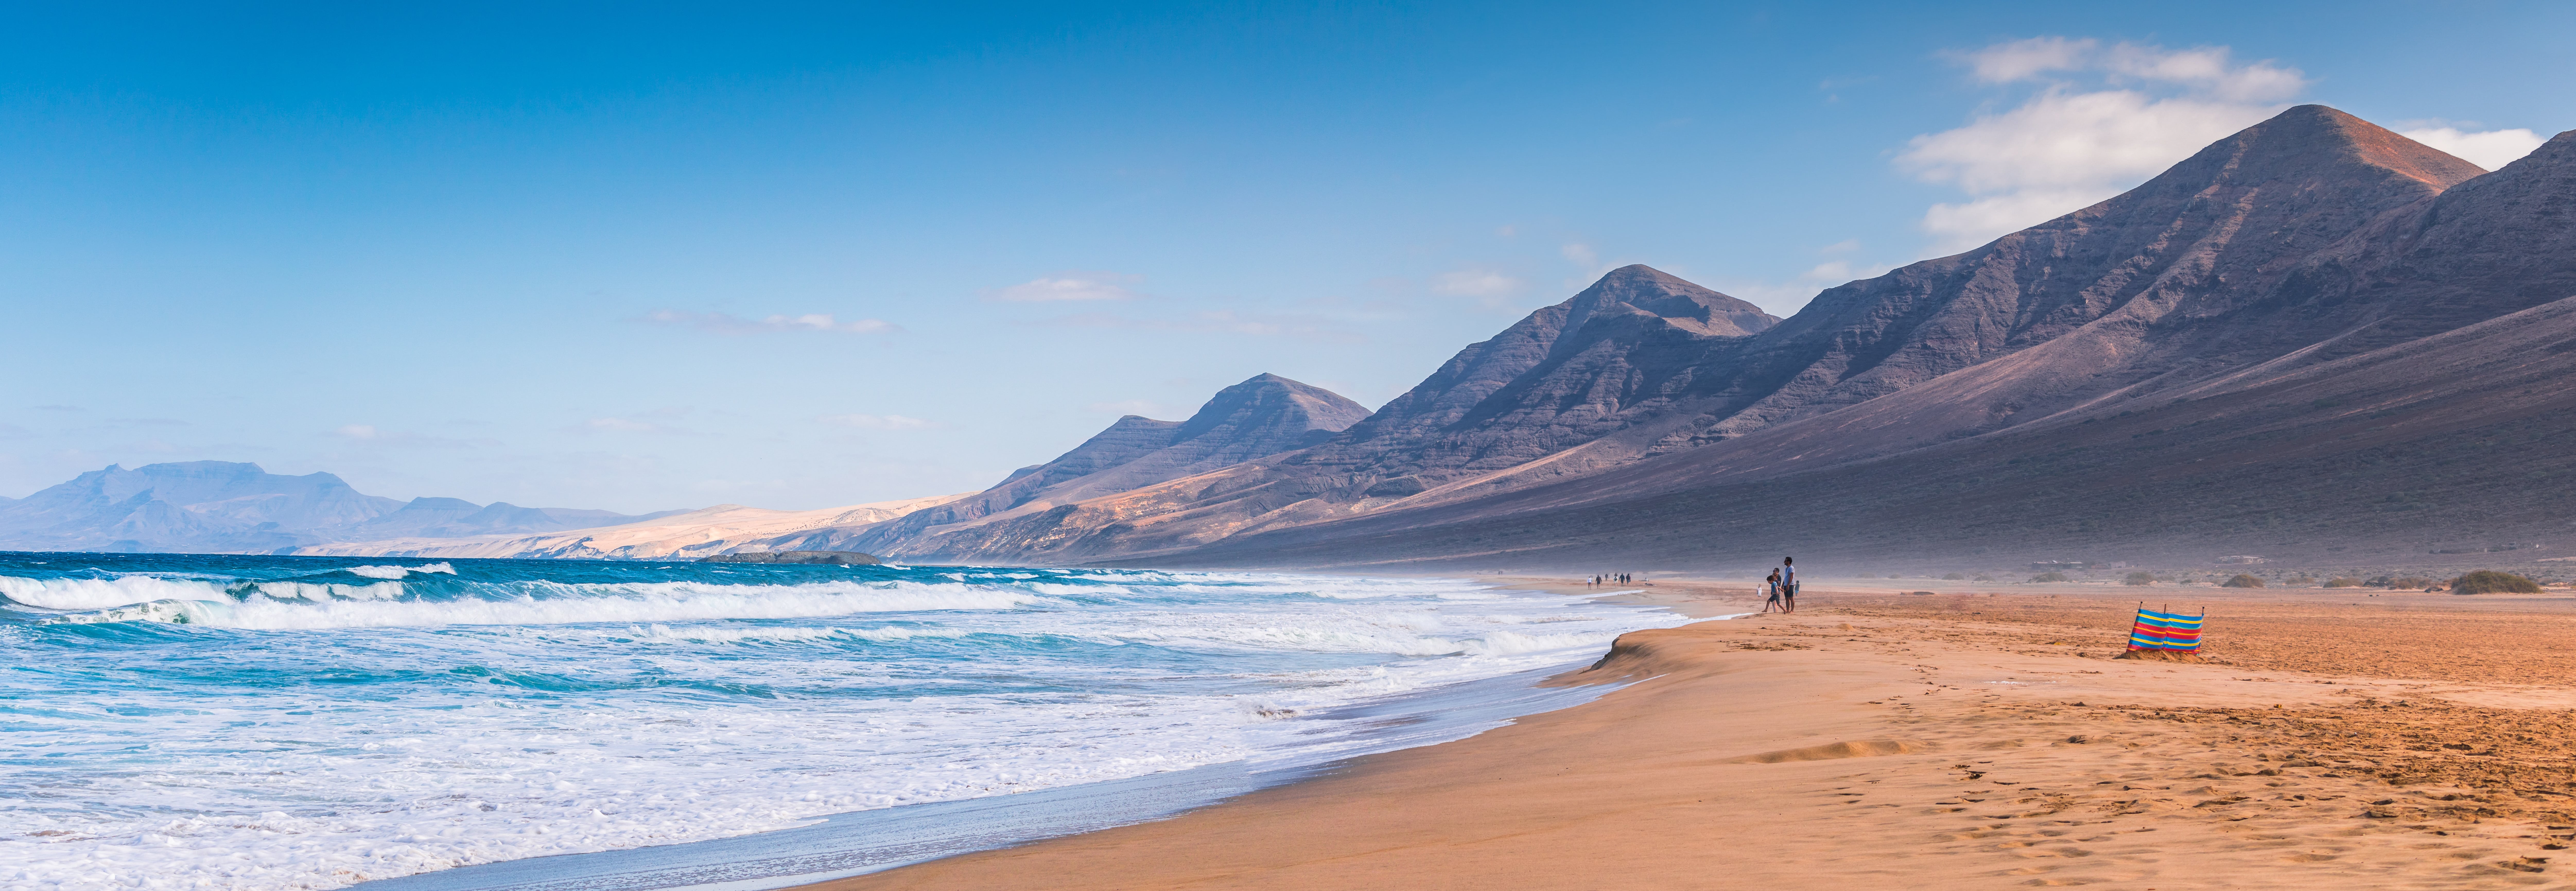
{"type": "Point", "coordinates": [1600, 379]}
{"type": "Point", "coordinates": [1262, 416]}
{"type": "Point", "coordinates": [2179, 370]}
{"type": "Point", "coordinates": [2346, 341]}
{"type": "Point", "coordinates": [227, 507]}
{"type": "Point", "coordinates": [677, 535]}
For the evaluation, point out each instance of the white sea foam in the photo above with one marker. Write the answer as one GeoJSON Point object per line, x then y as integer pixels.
{"type": "Point", "coordinates": [395, 572]}
{"type": "Point", "coordinates": [633, 603]}
{"type": "Point", "coordinates": [326, 592]}
{"type": "Point", "coordinates": [537, 717]}
{"type": "Point", "coordinates": [104, 593]}
{"type": "Point", "coordinates": [666, 634]}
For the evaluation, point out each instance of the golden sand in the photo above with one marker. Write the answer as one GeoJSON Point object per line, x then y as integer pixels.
{"type": "Point", "coordinates": [2330, 740]}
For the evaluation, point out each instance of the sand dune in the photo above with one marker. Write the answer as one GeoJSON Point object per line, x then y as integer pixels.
{"type": "Point", "coordinates": [694, 534]}
{"type": "Point", "coordinates": [1958, 741]}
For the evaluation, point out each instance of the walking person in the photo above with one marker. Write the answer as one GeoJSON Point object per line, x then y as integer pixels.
{"type": "Point", "coordinates": [1788, 584]}
{"type": "Point", "coordinates": [1772, 585]}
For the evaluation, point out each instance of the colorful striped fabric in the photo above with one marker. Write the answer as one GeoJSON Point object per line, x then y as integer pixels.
{"type": "Point", "coordinates": [2165, 631]}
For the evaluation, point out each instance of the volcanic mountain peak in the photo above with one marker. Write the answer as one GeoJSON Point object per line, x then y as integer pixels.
{"type": "Point", "coordinates": [2314, 140]}
{"type": "Point", "coordinates": [1305, 413]}
{"type": "Point", "coordinates": [1686, 305]}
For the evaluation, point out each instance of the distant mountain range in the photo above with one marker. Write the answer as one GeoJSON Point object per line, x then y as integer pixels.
{"type": "Point", "coordinates": [225, 507]}
{"type": "Point", "coordinates": [2315, 340]}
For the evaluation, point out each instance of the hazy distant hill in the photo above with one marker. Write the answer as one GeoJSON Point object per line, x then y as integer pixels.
{"type": "Point", "coordinates": [2313, 334]}
{"type": "Point", "coordinates": [226, 507]}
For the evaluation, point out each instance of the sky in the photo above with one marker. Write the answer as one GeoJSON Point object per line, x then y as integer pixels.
{"type": "Point", "coordinates": [648, 257]}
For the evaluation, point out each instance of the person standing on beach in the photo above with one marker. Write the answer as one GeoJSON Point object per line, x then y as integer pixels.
{"type": "Point", "coordinates": [1788, 576]}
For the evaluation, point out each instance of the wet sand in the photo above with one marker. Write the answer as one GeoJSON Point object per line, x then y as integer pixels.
{"type": "Point", "coordinates": [1956, 740]}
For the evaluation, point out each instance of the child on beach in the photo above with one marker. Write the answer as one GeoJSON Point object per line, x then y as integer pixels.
{"type": "Point", "coordinates": [1788, 576]}
{"type": "Point", "coordinates": [1772, 584]}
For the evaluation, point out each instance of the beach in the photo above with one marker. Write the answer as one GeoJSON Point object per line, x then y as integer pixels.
{"type": "Point", "coordinates": [1969, 738]}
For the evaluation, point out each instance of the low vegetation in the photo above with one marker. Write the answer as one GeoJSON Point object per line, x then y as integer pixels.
{"type": "Point", "coordinates": [2242, 581]}
{"type": "Point", "coordinates": [1954, 577]}
{"type": "Point", "coordinates": [2343, 582]}
{"type": "Point", "coordinates": [2488, 581]}
{"type": "Point", "coordinates": [2139, 578]}
{"type": "Point", "coordinates": [2049, 577]}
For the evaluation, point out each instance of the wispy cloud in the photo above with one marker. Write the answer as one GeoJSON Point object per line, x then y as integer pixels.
{"type": "Point", "coordinates": [1075, 285]}
{"type": "Point", "coordinates": [373, 436]}
{"type": "Point", "coordinates": [1475, 283]}
{"type": "Point", "coordinates": [2105, 118]}
{"type": "Point", "coordinates": [877, 422]}
{"type": "Point", "coordinates": [1128, 407]}
{"type": "Point", "coordinates": [725, 323]}
{"type": "Point", "coordinates": [2490, 149]}
{"type": "Point", "coordinates": [1491, 290]}
{"type": "Point", "coordinates": [622, 425]}
{"type": "Point", "coordinates": [1250, 324]}
{"type": "Point", "coordinates": [664, 421]}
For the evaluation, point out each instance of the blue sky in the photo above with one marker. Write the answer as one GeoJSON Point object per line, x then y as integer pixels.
{"type": "Point", "coordinates": [644, 258]}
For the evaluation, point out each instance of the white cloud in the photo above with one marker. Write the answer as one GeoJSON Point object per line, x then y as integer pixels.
{"type": "Point", "coordinates": [878, 422]}
{"type": "Point", "coordinates": [1069, 286]}
{"type": "Point", "coordinates": [723, 323]}
{"type": "Point", "coordinates": [2024, 59]}
{"type": "Point", "coordinates": [1301, 326]}
{"type": "Point", "coordinates": [1475, 283]}
{"type": "Point", "coordinates": [2104, 119]}
{"type": "Point", "coordinates": [1582, 254]}
{"type": "Point", "coordinates": [2491, 149]}
{"type": "Point", "coordinates": [372, 436]}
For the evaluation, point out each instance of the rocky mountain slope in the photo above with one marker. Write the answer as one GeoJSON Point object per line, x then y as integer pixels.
{"type": "Point", "coordinates": [227, 507]}
{"type": "Point", "coordinates": [1262, 416]}
{"type": "Point", "coordinates": [2314, 253]}
{"type": "Point", "coordinates": [1600, 379]}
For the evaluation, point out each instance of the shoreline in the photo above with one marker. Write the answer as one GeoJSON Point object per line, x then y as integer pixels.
{"type": "Point", "coordinates": [1957, 740]}
{"type": "Point", "coordinates": [865, 842]}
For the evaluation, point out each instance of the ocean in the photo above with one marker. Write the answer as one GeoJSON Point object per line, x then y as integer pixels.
{"type": "Point", "coordinates": [252, 722]}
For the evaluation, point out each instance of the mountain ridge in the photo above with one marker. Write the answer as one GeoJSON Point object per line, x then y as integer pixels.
{"type": "Point", "coordinates": [2311, 236]}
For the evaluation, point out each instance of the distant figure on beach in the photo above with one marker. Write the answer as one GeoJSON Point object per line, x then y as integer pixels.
{"type": "Point", "coordinates": [1772, 585]}
{"type": "Point", "coordinates": [1788, 585]}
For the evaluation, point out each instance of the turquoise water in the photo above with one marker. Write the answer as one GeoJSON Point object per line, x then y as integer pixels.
{"type": "Point", "coordinates": [193, 721]}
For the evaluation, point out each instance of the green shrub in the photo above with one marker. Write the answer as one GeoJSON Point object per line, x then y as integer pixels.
{"type": "Point", "coordinates": [1985, 578]}
{"type": "Point", "coordinates": [2139, 578]}
{"type": "Point", "coordinates": [2242, 581]}
{"type": "Point", "coordinates": [1954, 577]}
{"type": "Point", "coordinates": [2488, 581]}
{"type": "Point", "coordinates": [2410, 582]}
{"type": "Point", "coordinates": [2049, 577]}
{"type": "Point", "coordinates": [2343, 582]}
